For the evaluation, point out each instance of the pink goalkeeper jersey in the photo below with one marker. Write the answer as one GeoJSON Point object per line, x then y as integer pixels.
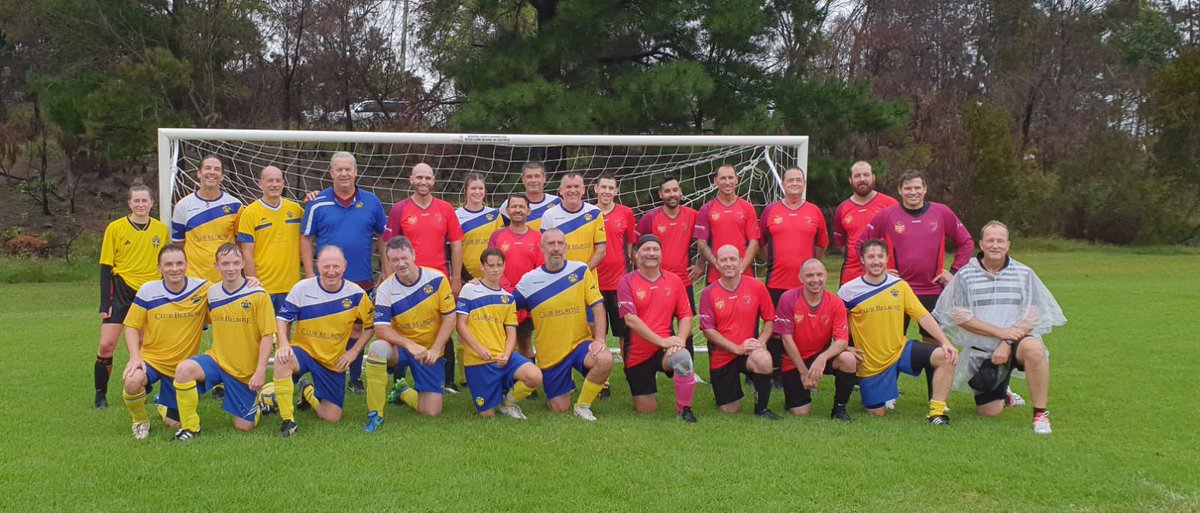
{"type": "Point", "coordinates": [917, 243]}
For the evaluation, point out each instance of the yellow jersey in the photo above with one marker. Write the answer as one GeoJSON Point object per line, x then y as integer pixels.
{"type": "Point", "coordinates": [877, 319]}
{"type": "Point", "coordinates": [171, 322]}
{"type": "Point", "coordinates": [202, 226]}
{"type": "Point", "coordinates": [415, 310]}
{"type": "Point", "coordinates": [132, 252]}
{"type": "Point", "coordinates": [582, 229]}
{"type": "Point", "coordinates": [489, 311]}
{"type": "Point", "coordinates": [324, 319]}
{"type": "Point", "coordinates": [477, 229]}
{"type": "Point", "coordinates": [558, 303]}
{"type": "Point", "coordinates": [240, 319]}
{"type": "Point", "coordinates": [275, 233]}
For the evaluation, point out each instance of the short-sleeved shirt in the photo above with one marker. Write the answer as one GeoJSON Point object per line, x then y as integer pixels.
{"type": "Point", "coordinates": [734, 314]}
{"type": "Point", "coordinates": [558, 302]}
{"type": "Point", "coordinates": [477, 228]}
{"type": "Point", "coordinates": [876, 313]}
{"type": "Point", "coordinates": [240, 319]}
{"type": "Point", "coordinates": [619, 229]}
{"type": "Point", "coordinates": [202, 226]}
{"type": "Point", "coordinates": [350, 226]}
{"type": "Point", "coordinates": [811, 328]}
{"type": "Point", "coordinates": [583, 229]}
{"type": "Point", "coordinates": [489, 311]}
{"type": "Point", "coordinates": [675, 233]}
{"type": "Point", "coordinates": [132, 252]}
{"type": "Point", "coordinates": [720, 224]}
{"type": "Point", "coordinates": [850, 221]}
{"type": "Point", "coordinates": [415, 310]}
{"type": "Point", "coordinates": [791, 236]}
{"type": "Point", "coordinates": [429, 229]}
{"type": "Point", "coordinates": [917, 243]}
{"type": "Point", "coordinates": [171, 322]}
{"type": "Point", "coordinates": [275, 233]}
{"type": "Point", "coordinates": [658, 303]}
{"type": "Point", "coordinates": [537, 209]}
{"type": "Point", "coordinates": [522, 252]}
{"type": "Point", "coordinates": [324, 319]}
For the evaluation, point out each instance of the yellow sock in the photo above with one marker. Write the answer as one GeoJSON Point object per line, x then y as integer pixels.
{"type": "Point", "coordinates": [409, 396]}
{"type": "Point", "coordinates": [137, 406]}
{"type": "Point", "coordinates": [937, 408]}
{"type": "Point", "coordinates": [283, 398]}
{"type": "Point", "coordinates": [375, 377]}
{"type": "Point", "coordinates": [589, 393]}
{"type": "Point", "coordinates": [310, 396]}
{"type": "Point", "coordinates": [188, 399]}
{"type": "Point", "coordinates": [458, 363]}
{"type": "Point", "coordinates": [520, 391]}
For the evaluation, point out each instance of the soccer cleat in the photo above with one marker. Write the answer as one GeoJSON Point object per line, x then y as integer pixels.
{"type": "Point", "coordinates": [356, 387]}
{"type": "Point", "coordinates": [606, 393]}
{"type": "Point", "coordinates": [1012, 400]}
{"type": "Point", "coordinates": [939, 420]}
{"type": "Point", "coordinates": [585, 413]}
{"type": "Point", "coordinates": [697, 379]}
{"type": "Point", "coordinates": [374, 422]}
{"type": "Point", "coordinates": [304, 383]}
{"type": "Point", "coordinates": [288, 428]}
{"type": "Point", "coordinates": [450, 388]}
{"type": "Point", "coordinates": [184, 435]}
{"type": "Point", "coordinates": [101, 401]}
{"type": "Point", "coordinates": [688, 417]}
{"type": "Point", "coordinates": [890, 404]}
{"type": "Point", "coordinates": [1041, 423]}
{"type": "Point", "coordinates": [218, 393]}
{"type": "Point", "coordinates": [141, 431]}
{"type": "Point", "coordinates": [839, 413]}
{"type": "Point", "coordinates": [766, 414]}
{"type": "Point", "coordinates": [398, 387]}
{"type": "Point", "coordinates": [514, 411]}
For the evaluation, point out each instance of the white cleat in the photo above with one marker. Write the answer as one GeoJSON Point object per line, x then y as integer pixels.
{"type": "Point", "coordinates": [141, 431]}
{"type": "Point", "coordinates": [513, 411]}
{"type": "Point", "coordinates": [696, 379]}
{"type": "Point", "coordinates": [1041, 423]}
{"type": "Point", "coordinates": [1012, 400]}
{"type": "Point", "coordinates": [890, 404]}
{"type": "Point", "coordinates": [585, 413]}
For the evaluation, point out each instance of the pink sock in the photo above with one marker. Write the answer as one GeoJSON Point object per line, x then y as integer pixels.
{"type": "Point", "coordinates": [685, 387]}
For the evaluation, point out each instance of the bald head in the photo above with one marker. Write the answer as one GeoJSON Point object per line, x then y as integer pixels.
{"type": "Point", "coordinates": [812, 277]}
{"type": "Point", "coordinates": [729, 262]}
{"type": "Point", "coordinates": [728, 249]}
{"type": "Point", "coordinates": [421, 179]}
{"type": "Point", "coordinates": [270, 180]}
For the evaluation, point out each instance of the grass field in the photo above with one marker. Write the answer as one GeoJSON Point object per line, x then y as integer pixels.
{"type": "Point", "coordinates": [1124, 416]}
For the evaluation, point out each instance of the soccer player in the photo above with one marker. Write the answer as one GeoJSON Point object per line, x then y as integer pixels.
{"type": "Point", "coordinates": [533, 177]}
{"type": "Point", "coordinates": [327, 310]}
{"type": "Point", "coordinates": [204, 220]}
{"type": "Point", "coordinates": [243, 329]}
{"type": "Point", "coordinates": [619, 228]}
{"type": "Point", "coordinates": [852, 216]}
{"type": "Point", "coordinates": [558, 296]}
{"type": "Point", "coordinates": [478, 223]}
{"type": "Point", "coordinates": [726, 219]}
{"type": "Point", "coordinates": [649, 300]}
{"type": "Point", "coordinates": [813, 324]}
{"type": "Point", "coordinates": [522, 248]}
{"type": "Point", "coordinates": [127, 261]}
{"type": "Point", "coordinates": [487, 324]}
{"type": "Point", "coordinates": [999, 310]}
{"type": "Point", "coordinates": [269, 234]}
{"type": "Point", "coordinates": [673, 223]}
{"type": "Point", "coordinates": [730, 310]}
{"type": "Point", "coordinates": [581, 222]}
{"type": "Point", "coordinates": [414, 317]}
{"type": "Point", "coordinates": [162, 329]}
{"type": "Point", "coordinates": [877, 303]}
{"type": "Point", "coordinates": [348, 217]}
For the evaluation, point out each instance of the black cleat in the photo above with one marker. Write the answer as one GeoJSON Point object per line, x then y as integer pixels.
{"type": "Point", "coordinates": [356, 387]}
{"type": "Point", "coordinates": [303, 405]}
{"type": "Point", "coordinates": [839, 413]}
{"type": "Point", "coordinates": [938, 420]}
{"type": "Point", "coordinates": [766, 414]}
{"type": "Point", "coordinates": [533, 395]}
{"type": "Point", "coordinates": [606, 393]}
{"type": "Point", "coordinates": [184, 435]}
{"type": "Point", "coordinates": [288, 428]}
{"type": "Point", "coordinates": [687, 416]}
{"type": "Point", "coordinates": [101, 401]}
{"type": "Point", "coordinates": [218, 393]}
{"type": "Point", "coordinates": [450, 388]}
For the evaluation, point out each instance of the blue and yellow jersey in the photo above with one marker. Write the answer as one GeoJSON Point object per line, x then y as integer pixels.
{"type": "Point", "coordinates": [275, 232]}
{"type": "Point", "coordinates": [171, 322]}
{"type": "Point", "coordinates": [325, 318]}
{"type": "Point", "coordinates": [202, 226]}
{"type": "Point", "coordinates": [558, 303]}
{"type": "Point", "coordinates": [877, 319]}
{"type": "Point", "coordinates": [583, 229]}
{"type": "Point", "coordinates": [415, 311]}
{"type": "Point", "coordinates": [477, 229]}
{"type": "Point", "coordinates": [536, 210]}
{"type": "Point", "coordinates": [240, 319]}
{"type": "Point", "coordinates": [132, 252]}
{"type": "Point", "coordinates": [488, 312]}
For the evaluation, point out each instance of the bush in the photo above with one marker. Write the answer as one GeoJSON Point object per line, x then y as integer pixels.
{"type": "Point", "coordinates": [27, 246]}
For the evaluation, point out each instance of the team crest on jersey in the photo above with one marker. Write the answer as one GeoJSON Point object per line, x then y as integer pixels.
{"type": "Point", "coordinates": [587, 217]}
{"type": "Point", "coordinates": [716, 216]}
{"type": "Point", "coordinates": [899, 227]}
{"type": "Point", "coordinates": [746, 299]}
{"type": "Point", "coordinates": [848, 219]}
{"type": "Point", "coordinates": [155, 242]}
{"type": "Point", "coordinates": [572, 278]}
{"type": "Point", "coordinates": [778, 220]}
{"type": "Point", "coordinates": [346, 303]}
{"type": "Point", "coordinates": [246, 304]}
{"type": "Point", "coordinates": [195, 299]}
{"type": "Point", "coordinates": [505, 299]}
{"type": "Point", "coordinates": [662, 228]}
{"type": "Point", "coordinates": [490, 217]}
{"type": "Point", "coordinates": [719, 304]}
{"type": "Point", "coordinates": [428, 289]}
{"type": "Point", "coordinates": [933, 226]}
{"type": "Point", "coordinates": [358, 205]}
{"type": "Point", "coordinates": [226, 209]}
{"type": "Point", "coordinates": [895, 293]}
{"type": "Point", "coordinates": [641, 294]}
{"type": "Point", "coordinates": [290, 215]}
{"type": "Point", "coordinates": [412, 219]}
{"type": "Point", "coordinates": [824, 320]}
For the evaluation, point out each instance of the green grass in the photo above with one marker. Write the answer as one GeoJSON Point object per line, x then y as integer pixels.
{"type": "Point", "coordinates": [1122, 399]}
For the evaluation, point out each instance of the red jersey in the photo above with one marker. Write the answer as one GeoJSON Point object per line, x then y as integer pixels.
{"type": "Point", "coordinates": [917, 243]}
{"type": "Point", "coordinates": [734, 314]}
{"type": "Point", "coordinates": [619, 228]}
{"type": "Point", "coordinates": [850, 220]}
{"type": "Point", "coordinates": [791, 236]}
{"type": "Point", "coordinates": [429, 229]}
{"type": "Point", "coordinates": [720, 224]}
{"type": "Point", "coordinates": [811, 328]}
{"type": "Point", "coordinates": [656, 303]}
{"type": "Point", "coordinates": [676, 236]}
{"type": "Point", "coordinates": [522, 252]}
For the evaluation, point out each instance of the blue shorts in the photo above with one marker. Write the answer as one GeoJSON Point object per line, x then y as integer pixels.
{"type": "Point", "coordinates": [489, 382]}
{"type": "Point", "coordinates": [240, 401]}
{"type": "Point", "coordinates": [426, 378]}
{"type": "Point", "coordinates": [557, 380]}
{"type": "Point", "coordinates": [877, 390]}
{"type": "Point", "coordinates": [166, 391]}
{"type": "Point", "coordinates": [328, 385]}
{"type": "Point", "coordinates": [277, 301]}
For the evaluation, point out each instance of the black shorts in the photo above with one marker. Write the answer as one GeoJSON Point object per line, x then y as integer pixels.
{"type": "Point", "coordinates": [929, 302]}
{"type": "Point", "coordinates": [121, 299]}
{"type": "Point", "coordinates": [616, 324]}
{"type": "Point", "coordinates": [726, 385]}
{"type": "Point", "coordinates": [1001, 391]}
{"type": "Point", "coordinates": [691, 293]}
{"type": "Point", "coordinates": [525, 328]}
{"type": "Point", "coordinates": [794, 393]}
{"type": "Point", "coordinates": [642, 377]}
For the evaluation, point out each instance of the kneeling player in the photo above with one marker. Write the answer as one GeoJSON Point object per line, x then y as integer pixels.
{"type": "Point", "coordinates": [878, 303]}
{"type": "Point", "coordinates": [487, 324]}
{"type": "Point", "coordinates": [170, 314]}
{"type": "Point", "coordinates": [808, 318]}
{"type": "Point", "coordinates": [243, 329]}
{"type": "Point", "coordinates": [649, 300]}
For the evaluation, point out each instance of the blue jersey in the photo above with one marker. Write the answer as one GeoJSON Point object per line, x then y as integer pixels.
{"type": "Point", "coordinates": [351, 228]}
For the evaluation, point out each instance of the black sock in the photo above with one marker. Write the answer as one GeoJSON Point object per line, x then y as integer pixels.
{"type": "Point", "coordinates": [762, 388]}
{"type": "Point", "coordinates": [101, 372]}
{"type": "Point", "coordinates": [449, 356]}
{"type": "Point", "coordinates": [843, 386]}
{"type": "Point", "coordinates": [929, 381]}
{"type": "Point", "coordinates": [1038, 410]}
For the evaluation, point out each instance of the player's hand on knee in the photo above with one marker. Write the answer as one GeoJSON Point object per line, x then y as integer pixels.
{"type": "Point", "coordinates": [751, 345]}
{"type": "Point", "coordinates": [597, 347]}
{"type": "Point", "coordinates": [674, 341]}
{"type": "Point", "coordinates": [950, 353]}
{"type": "Point", "coordinates": [131, 368]}
{"type": "Point", "coordinates": [257, 380]}
{"type": "Point", "coordinates": [1002, 353]}
{"type": "Point", "coordinates": [283, 355]}
{"type": "Point", "coordinates": [856, 352]}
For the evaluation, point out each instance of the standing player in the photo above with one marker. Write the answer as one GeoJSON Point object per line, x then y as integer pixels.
{"type": "Point", "coordinates": [558, 296]}
{"type": "Point", "coordinates": [999, 310]}
{"type": "Point", "coordinates": [162, 329]}
{"type": "Point", "coordinates": [812, 322]}
{"type": "Point", "coordinates": [730, 310]}
{"type": "Point", "coordinates": [852, 216]}
{"type": "Point", "coordinates": [878, 303]}
{"type": "Point", "coordinates": [269, 234]}
{"type": "Point", "coordinates": [580, 222]}
{"type": "Point", "coordinates": [649, 300]}
{"type": "Point", "coordinates": [726, 219]}
{"type": "Point", "coordinates": [522, 248]}
{"type": "Point", "coordinates": [205, 219]}
{"type": "Point", "coordinates": [243, 324]}
{"type": "Point", "coordinates": [414, 317]}
{"type": "Point", "coordinates": [478, 222]}
{"type": "Point", "coordinates": [487, 323]}
{"type": "Point", "coordinates": [533, 177]}
{"type": "Point", "coordinates": [327, 310]}
{"type": "Point", "coordinates": [619, 228]}
{"type": "Point", "coordinates": [348, 217]}
{"type": "Point", "coordinates": [673, 223]}
{"type": "Point", "coordinates": [127, 261]}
